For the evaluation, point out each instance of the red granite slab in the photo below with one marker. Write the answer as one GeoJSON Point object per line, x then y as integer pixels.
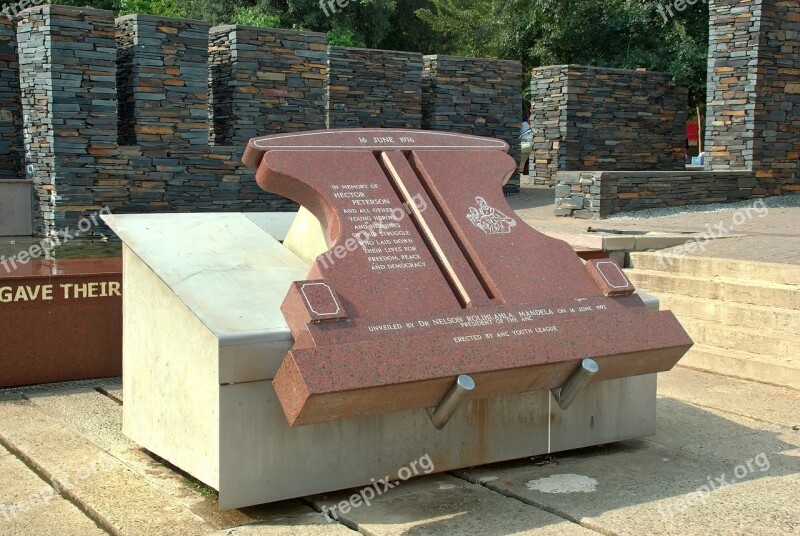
{"type": "Point", "coordinates": [61, 320]}
{"type": "Point", "coordinates": [432, 275]}
{"type": "Point", "coordinates": [609, 277]}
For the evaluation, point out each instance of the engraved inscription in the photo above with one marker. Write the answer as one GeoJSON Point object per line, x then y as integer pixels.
{"type": "Point", "coordinates": [380, 230]}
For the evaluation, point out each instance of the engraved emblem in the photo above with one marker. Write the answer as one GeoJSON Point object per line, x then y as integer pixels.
{"type": "Point", "coordinates": [489, 219]}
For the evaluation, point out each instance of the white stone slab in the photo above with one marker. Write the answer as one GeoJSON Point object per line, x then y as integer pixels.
{"type": "Point", "coordinates": [229, 273]}
{"type": "Point", "coordinates": [276, 224]}
{"type": "Point", "coordinates": [203, 336]}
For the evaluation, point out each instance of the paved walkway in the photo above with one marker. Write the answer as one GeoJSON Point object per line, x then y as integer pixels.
{"type": "Point", "coordinates": [771, 236]}
{"type": "Point", "coordinates": [711, 430]}
{"type": "Point", "coordinates": [757, 234]}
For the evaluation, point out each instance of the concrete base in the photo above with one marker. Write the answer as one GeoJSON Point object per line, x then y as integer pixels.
{"type": "Point", "coordinates": [16, 217]}
{"type": "Point", "coordinates": [204, 336]}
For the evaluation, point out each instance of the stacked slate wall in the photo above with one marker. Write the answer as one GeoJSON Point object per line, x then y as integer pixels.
{"type": "Point", "coordinates": [152, 114]}
{"type": "Point", "coordinates": [753, 98]}
{"type": "Point", "coordinates": [597, 194]}
{"type": "Point", "coordinates": [373, 88]}
{"type": "Point", "coordinates": [776, 147]}
{"type": "Point", "coordinates": [11, 160]}
{"type": "Point", "coordinates": [163, 81]}
{"type": "Point", "coordinates": [68, 84]}
{"type": "Point", "coordinates": [77, 164]}
{"type": "Point", "coordinates": [731, 84]}
{"type": "Point", "coordinates": [265, 82]}
{"type": "Point", "coordinates": [474, 96]}
{"type": "Point", "coordinates": [592, 118]}
{"type": "Point", "coordinates": [548, 123]}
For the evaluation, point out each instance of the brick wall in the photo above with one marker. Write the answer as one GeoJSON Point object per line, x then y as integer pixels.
{"type": "Point", "coordinates": [593, 118]}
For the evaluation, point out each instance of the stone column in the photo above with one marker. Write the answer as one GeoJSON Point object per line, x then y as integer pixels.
{"type": "Point", "coordinates": [549, 123]}
{"type": "Point", "coordinates": [478, 96]}
{"type": "Point", "coordinates": [374, 88]}
{"type": "Point", "coordinates": [776, 144]}
{"type": "Point", "coordinates": [265, 81]}
{"type": "Point", "coordinates": [11, 161]}
{"type": "Point", "coordinates": [163, 81]}
{"type": "Point", "coordinates": [69, 98]}
{"type": "Point", "coordinates": [753, 91]}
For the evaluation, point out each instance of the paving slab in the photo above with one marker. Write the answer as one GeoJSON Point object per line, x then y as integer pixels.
{"type": "Point", "coordinates": [29, 505]}
{"type": "Point", "coordinates": [289, 518]}
{"type": "Point", "coordinates": [636, 487]}
{"type": "Point", "coordinates": [445, 505]}
{"type": "Point", "coordinates": [709, 427]}
{"type": "Point", "coordinates": [98, 417]}
{"type": "Point", "coordinates": [773, 237]}
{"type": "Point", "coordinates": [707, 433]}
{"type": "Point", "coordinates": [110, 492]}
{"type": "Point", "coordinates": [760, 402]}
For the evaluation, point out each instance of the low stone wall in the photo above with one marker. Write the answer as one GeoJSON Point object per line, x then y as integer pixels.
{"type": "Point", "coordinates": [597, 194]}
{"type": "Point", "coordinates": [140, 180]}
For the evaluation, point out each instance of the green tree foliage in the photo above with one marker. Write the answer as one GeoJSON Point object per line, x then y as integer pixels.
{"type": "Point", "coordinates": [608, 33]}
{"type": "Point", "coordinates": [362, 23]}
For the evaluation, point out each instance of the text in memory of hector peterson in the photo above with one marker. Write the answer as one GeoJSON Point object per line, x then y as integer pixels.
{"type": "Point", "coordinates": [379, 227]}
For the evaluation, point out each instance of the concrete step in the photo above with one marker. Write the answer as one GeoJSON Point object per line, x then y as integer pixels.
{"type": "Point", "coordinates": [731, 313]}
{"type": "Point", "coordinates": [711, 267]}
{"type": "Point", "coordinates": [763, 342]}
{"type": "Point", "coordinates": [743, 365]}
{"type": "Point", "coordinates": [777, 295]}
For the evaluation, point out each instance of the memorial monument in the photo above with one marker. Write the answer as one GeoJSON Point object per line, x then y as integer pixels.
{"type": "Point", "coordinates": [406, 311]}
{"type": "Point", "coordinates": [437, 278]}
